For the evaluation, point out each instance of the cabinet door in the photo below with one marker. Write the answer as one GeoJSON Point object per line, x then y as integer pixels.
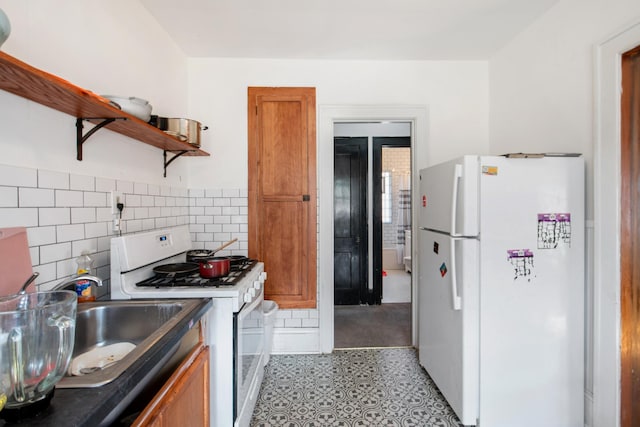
{"type": "Point", "coordinates": [282, 191]}
{"type": "Point", "coordinates": [184, 399]}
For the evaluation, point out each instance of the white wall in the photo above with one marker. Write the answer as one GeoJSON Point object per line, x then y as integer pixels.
{"type": "Point", "coordinates": [111, 47]}
{"type": "Point", "coordinates": [455, 93]}
{"type": "Point", "coordinates": [542, 99]}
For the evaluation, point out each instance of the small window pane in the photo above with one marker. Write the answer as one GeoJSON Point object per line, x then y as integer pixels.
{"type": "Point", "coordinates": [387, 198]}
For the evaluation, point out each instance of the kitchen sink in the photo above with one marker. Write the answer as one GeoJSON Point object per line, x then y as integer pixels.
{"type": "Point", "coordinates": [107, 330]}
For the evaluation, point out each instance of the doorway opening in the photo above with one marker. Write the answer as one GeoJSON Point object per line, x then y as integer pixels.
{"type": "Point", "coordinates": [372, 227]}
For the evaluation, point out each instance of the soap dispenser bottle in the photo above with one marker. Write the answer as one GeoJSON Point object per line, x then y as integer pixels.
{"type": "Point", "coordinates": [83, 287]}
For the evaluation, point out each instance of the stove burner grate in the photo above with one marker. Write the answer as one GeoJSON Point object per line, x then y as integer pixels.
{"type": "Point", "coordinates": [236, 273]}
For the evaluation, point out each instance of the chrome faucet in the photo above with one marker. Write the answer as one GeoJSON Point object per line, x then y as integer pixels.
{"type": "Point", "coordinates": [67, 282]}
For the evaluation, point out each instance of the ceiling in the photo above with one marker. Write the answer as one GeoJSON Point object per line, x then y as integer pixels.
{"type": "Point", "coordinates": [345, 29]}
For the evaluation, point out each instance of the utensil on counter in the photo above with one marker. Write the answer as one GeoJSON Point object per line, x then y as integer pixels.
{"type": "Point", "coordinates": [186, 130]}
{"type": "Point", "coordinates": [215, 267]}
{"type": "Point", "coordinates": [36, 345]}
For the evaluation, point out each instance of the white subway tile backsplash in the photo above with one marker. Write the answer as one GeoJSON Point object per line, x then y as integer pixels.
{"type": "Point", "coordinates": [212, 193]}
{"type": "Point", "coordinates": [160, 201]}
{"type": "Point", "coordinates": [66, 268]}
{"type": "Point", "coordinates": [67, 233]}
{"type": "Point", "coordinates": [38, 236]}
{"type": "Point", "coordinates": [82, 182]}
{"type": "Point", "coordinates": [222, 237]}
{"type": "Point", "coordinates": [132, 200]}
{"type": "Point", "coordinates": [205, 201]}
{"type": "Point", "coordinates": [18, 176]}
{"type": "Point", "coordinates": [88, 246]}
{"type": "Point", "coordinates": [104, 214]}
{"type": "Point", "coordinates": [148, 224]}
{"type": "Point", "coordinates": [165, 191]}
{"type": "Point", "coordinates": [134, 225]}
{"type": "Point", "coordinates": [213, 228]}
{"type": "Point", "coordinates": [213, 210]}
{"type": "Point", "coordinates": [96, 229]}
{"type": "Point", "coordinates": [222, 219]}
{"type": "Point", "coordinates": [8, 197]}
{"type": "Point", "coordinates": [172, 221]}
{"type": "Point", "coordinates": [79, 215]}
{"type": "Point", "coordinates": [239, 219]}
{"type": "Point", "coordinates": [66, 198]}
{"type": "Point", "coordinates": [153, 190]}
{"type": "Point", "coordinates": [204, 220]}
{"type": "Point", "coordinates": [161, 222]}
{"type": "Point", "coordinates": [171, 201]}
{"type": "Point", "coordinates": [196, 228]}
{"type": "Point", "coordinates": [141, 213]}
{"type": "Point", "coordinates": [292, 323]}
{"type": "Point", "coordinates": [204, 237]}
{"type": "Point", "coordinates": [164, 211]}
{"type": "Point", "coordinates": [231, 228]}
{"type": "Point", "coordinates": [50, 179]}
{"type": "Point", "coordinates": [57, 252]}
{"type": "Point", "coordinates": [147, 200]}
{"type": "Point", "coordinates": [54, 216]}
{"type": "Point", "coordinates": [230, 210]}
{"type": "Point", "coordinates": [196, 210]}
{"type": "Point", "coordinates": [18, 217]}
{"type": "Point", "coordinates": [47, 274]}
{"type": "Point", "coordinates": [310, 323]}
{"type": "Point", "coordinates": [155, 212]}
{"type": "Point", "coordinates": [230, 192]}
{"type": "Point", "coordinates": [222, 201]}
{"type": "Point", "coordinates": [238, 201]}
{"type": "Point", "coordinates": [104, 244]}
{"type": "Point", "coordinates": [35, 197]}
{"type": "Point", "coordinates": [300, 314]}
{"type": "Point", "coordinates": [95, 199]}
{"type": "Point", "coordinates": [34, 254]}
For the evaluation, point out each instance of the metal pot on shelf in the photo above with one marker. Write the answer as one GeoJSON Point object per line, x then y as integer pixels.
{"type": "Point", "coordinates": [186, 130]}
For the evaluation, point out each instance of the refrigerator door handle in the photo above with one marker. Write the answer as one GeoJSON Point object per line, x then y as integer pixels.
{"type": "Point", "coordinates": [457, 301]}
{"type": "Point", "coordinates": [457, 174]}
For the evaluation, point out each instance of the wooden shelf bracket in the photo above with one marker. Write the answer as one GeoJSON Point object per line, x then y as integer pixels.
{"type": "Point", "coordinates": [81, 139]}
{"type": "Point", "coordinates": [167, 163]}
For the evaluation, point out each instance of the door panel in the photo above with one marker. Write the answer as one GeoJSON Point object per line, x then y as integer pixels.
{"type": "Point", "coordinates": [282, 191]}
{"type": "Point", "coordinates": [630, 236]}
{"type": "Point", "coordinates": [350, 221]}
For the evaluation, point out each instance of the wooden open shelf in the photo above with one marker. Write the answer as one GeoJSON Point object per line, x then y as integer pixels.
{"type": "Point", "coordinates": [28, 82]}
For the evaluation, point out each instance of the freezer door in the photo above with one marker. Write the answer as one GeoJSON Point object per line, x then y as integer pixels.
{"type": "Point", "coordinates": [448, 329]}
{"type": "Point", "coordinates": [449, 197]}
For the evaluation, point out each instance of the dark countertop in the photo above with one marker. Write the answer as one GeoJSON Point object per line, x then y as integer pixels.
{"type": "Point", "coordinates": [99, 406]}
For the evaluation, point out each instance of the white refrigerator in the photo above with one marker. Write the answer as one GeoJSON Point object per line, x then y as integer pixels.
{"type": "Point", "coordinates": [501, 288]}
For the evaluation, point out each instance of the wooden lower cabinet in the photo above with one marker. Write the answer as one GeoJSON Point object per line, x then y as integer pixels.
{"type": "Point", "coordinates": [184, 399]}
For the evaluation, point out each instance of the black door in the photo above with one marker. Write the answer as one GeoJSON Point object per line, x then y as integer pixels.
{"type": "Point", "coordinates": [350, 221]}
{"type": "Point", "coordinates": [378, 143]}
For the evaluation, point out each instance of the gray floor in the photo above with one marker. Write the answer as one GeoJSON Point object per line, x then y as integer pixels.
{"type": "Point", "coordinates": [350, 388]}
{"type": "Point", "coordinates": [385, 325]}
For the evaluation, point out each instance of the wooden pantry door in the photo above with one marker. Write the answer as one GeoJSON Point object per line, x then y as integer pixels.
{"type": "Point", "coordinates": [282, 191]}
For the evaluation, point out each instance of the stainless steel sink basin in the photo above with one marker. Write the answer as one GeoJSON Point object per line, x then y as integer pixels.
{"type": "Point", "coordinates": [141, 323]}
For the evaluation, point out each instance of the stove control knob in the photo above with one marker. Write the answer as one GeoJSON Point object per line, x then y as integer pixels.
{"type": "Point", "coordinates": [247, 297]}
{"type": "Point", "coordinates": [257, 284]}
{"type": "Point", "coordinates": [252, 291]}
{"type": "Point", "coordinates": [263, 276]}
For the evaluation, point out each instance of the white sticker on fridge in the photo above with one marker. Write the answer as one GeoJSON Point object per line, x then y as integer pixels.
{"type": "Point", "coordinates": [522, 262]}
{"type": "Point", "coordinates": [554, 229]}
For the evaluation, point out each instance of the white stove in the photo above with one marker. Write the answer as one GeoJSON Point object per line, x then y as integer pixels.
{"type": "Point", "coordinates": [234, 327]}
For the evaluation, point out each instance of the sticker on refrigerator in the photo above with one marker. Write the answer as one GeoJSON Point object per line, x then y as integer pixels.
{"type": "Point", "coordinates": [436, 247]}
{"type": "Point", "coordinates": [443, 270]}
{"type": "Point", "coordinates": [489, 170]}
{"type": "Point", "coordinates": [554, 229]}
{"type": "Point", "coordinates": [522, 262]}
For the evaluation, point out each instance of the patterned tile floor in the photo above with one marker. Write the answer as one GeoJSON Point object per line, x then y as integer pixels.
{"type": "Point", "coordinates": [350, 388]}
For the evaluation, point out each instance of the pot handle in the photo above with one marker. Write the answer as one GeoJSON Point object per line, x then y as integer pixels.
{"type": "Point", "coordinates": [17, 365]}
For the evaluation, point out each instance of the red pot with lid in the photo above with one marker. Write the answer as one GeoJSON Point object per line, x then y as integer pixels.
{"type": "Point", "coordinates": [215, 267]}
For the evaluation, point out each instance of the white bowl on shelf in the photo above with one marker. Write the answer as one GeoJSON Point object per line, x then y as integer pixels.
{"type": "Point", "coordinates": [137, 107]}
